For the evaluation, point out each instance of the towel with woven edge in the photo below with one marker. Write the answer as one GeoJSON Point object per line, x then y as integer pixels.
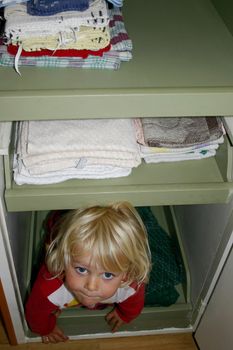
{"type": "Point", "coordinates": [48, 146]}
{"type": "Point", "coordinates": [181, 132]}
{"type": "Point", "coordinates": [20, 25]}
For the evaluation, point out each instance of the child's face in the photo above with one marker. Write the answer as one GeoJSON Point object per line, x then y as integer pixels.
{"type": "Point", "coordinates": [90, 283]}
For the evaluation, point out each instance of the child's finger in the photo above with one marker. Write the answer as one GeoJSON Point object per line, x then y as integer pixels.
{"type": "Point", "coordinates": [54, 338]}
{"type": "Point", "coordinates": [109, 316]}
{"type": "Point", "coordinates": [57, 339]}
{"type": "Point", "coordinates": [113, 321]}
{"type": "Point", "coordinates": [59, 336]}
{"type": "Point", "coordinates": [45, 339]}
{"type": "Point", "coordinates": [57, 313]}
{"type": "Point", "coordinates": [116, 326]}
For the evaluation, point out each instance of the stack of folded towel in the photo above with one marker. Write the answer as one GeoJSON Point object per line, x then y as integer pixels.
{"type": "Point", "coordinates": [176, 139]}
{"type": "Point", "coordinates": [49, 152]}
{"type": "Point", "coordinates": [40, 24]}
{"type": "Point", "coordinates": [66, 33]}
{"type": "Point", "coordinates": [55, 151]}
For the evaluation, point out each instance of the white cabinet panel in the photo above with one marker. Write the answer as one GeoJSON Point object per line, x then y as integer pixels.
{"type": "Point", "coordinates": [215, 329]}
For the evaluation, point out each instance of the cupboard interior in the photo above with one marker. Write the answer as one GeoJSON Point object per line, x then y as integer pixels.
{"type": "Point", "coordinates": [202, 231]}
{"type": "Point", "coordinates": [81, 321]}
{"type": "Point", "coordinates": [191, 75]}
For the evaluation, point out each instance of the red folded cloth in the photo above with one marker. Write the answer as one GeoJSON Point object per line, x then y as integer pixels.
{"type": "Point", "coordinates": [12, 49]}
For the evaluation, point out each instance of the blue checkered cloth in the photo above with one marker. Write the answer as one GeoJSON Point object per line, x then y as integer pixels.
{"type": "Point", "coordinates": [51, 7]}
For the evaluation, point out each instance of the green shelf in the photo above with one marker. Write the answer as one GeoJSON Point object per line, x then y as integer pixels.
{"type": "Point", "coordinates": [182, 65]}
{"type": "Point", "coordinates": [189, 182]}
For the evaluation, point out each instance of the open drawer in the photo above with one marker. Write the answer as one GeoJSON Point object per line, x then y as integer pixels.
{"type": "Point", "coordinates": [186, 182]}
{"type": "Point", "coordinates": [80, 321]}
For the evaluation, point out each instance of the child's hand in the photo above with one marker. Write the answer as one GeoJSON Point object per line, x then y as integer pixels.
{"type": "Point", "coordinates": [114, 320]}
{"type": "Point", "coordinates": [56, 336]}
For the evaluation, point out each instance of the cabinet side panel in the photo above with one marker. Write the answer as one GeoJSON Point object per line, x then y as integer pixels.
{"type": "Point", "coordinates": [7, 274]}
{"type": "Point", "coordinates": [225, 10]}
{"type": "Point", "coordinates": [217, 319]}
{"type": "Point", "coordinates": [202, 228]}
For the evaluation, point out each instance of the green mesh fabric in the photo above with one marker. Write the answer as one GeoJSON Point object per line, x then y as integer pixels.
{"type": "Point", "coordinates": [167, 267]}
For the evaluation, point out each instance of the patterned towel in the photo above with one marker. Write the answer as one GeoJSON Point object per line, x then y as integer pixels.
{"type": "Point", "coordinates": [181, 132]}
{"type": "Point", "coordinates": [110, 61]}
{"type": "Point", "coordinates": [50, 7]}
{"type": "Point", "coordinates": [20, 25]}
{"type": "Point", "coordinates": [85, 38]}
{"type": "Point", "coordinates": [117, 3]}
{"type": "Point", "coordinates": [176, 140]}
{"type": "Point", "coordinates": [121, 47]}
{"type": "Point", "coordinates": [10, 2]}
{"type": "Point", "coordinates": [12, 50]}
{"type": "Point", "coordinates": [193, 155]}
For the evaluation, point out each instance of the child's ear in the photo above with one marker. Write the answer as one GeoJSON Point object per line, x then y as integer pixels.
{"type": "Point", "coordinates": [62, 276]}
{"type": "Point", "coordinates": [124, 278]}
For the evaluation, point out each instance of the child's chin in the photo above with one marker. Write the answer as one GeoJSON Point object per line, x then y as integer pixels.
{"type": "Point", "coordinates": [89, 304]}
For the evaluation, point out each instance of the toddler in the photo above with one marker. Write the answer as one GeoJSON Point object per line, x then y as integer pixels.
{"type": "Point", "coordinates": [98, 256]}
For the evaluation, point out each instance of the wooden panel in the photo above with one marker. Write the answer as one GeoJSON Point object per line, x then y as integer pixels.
{"type": "Point", "coordinates": [183, 341]}
{"type": "Point", "coordinates": [6, 317]}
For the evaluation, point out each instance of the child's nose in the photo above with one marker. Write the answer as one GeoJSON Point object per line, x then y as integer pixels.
{"type": "Point", "coordinates": [92, 283]}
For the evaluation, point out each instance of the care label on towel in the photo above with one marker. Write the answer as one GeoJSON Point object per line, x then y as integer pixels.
{"type": "Point", "coordinates": [81, 163]}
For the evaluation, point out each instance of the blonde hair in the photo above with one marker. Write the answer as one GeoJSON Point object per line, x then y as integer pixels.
{"type": "Point", "coordinates": [114, 235]}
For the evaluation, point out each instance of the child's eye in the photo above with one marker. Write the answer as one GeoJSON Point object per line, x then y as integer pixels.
{"type": "Point", "coordinates": [108, 275]}
{"type": "Point", "coordinates": [81, 270]}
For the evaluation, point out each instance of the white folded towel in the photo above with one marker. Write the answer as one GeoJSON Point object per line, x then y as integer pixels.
{"type": "Point", "coordinates": [111, 141]}
{"type": "Point", "coordinates": [178, 157]}
{"type": "Point", "coordinates": [22, 176]}
{"type": "Point", "coordinates": [163, 154]}
{"type": "Point", "coordinates": [53, 151]}
{"type": "Point", "coordinates": [5, 136]}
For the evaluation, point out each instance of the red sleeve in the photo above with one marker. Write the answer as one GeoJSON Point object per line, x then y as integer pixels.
{"type": "Point", "coordinates": [39, 311]}
{"type": "Point", "coordinates": [132, 307]}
